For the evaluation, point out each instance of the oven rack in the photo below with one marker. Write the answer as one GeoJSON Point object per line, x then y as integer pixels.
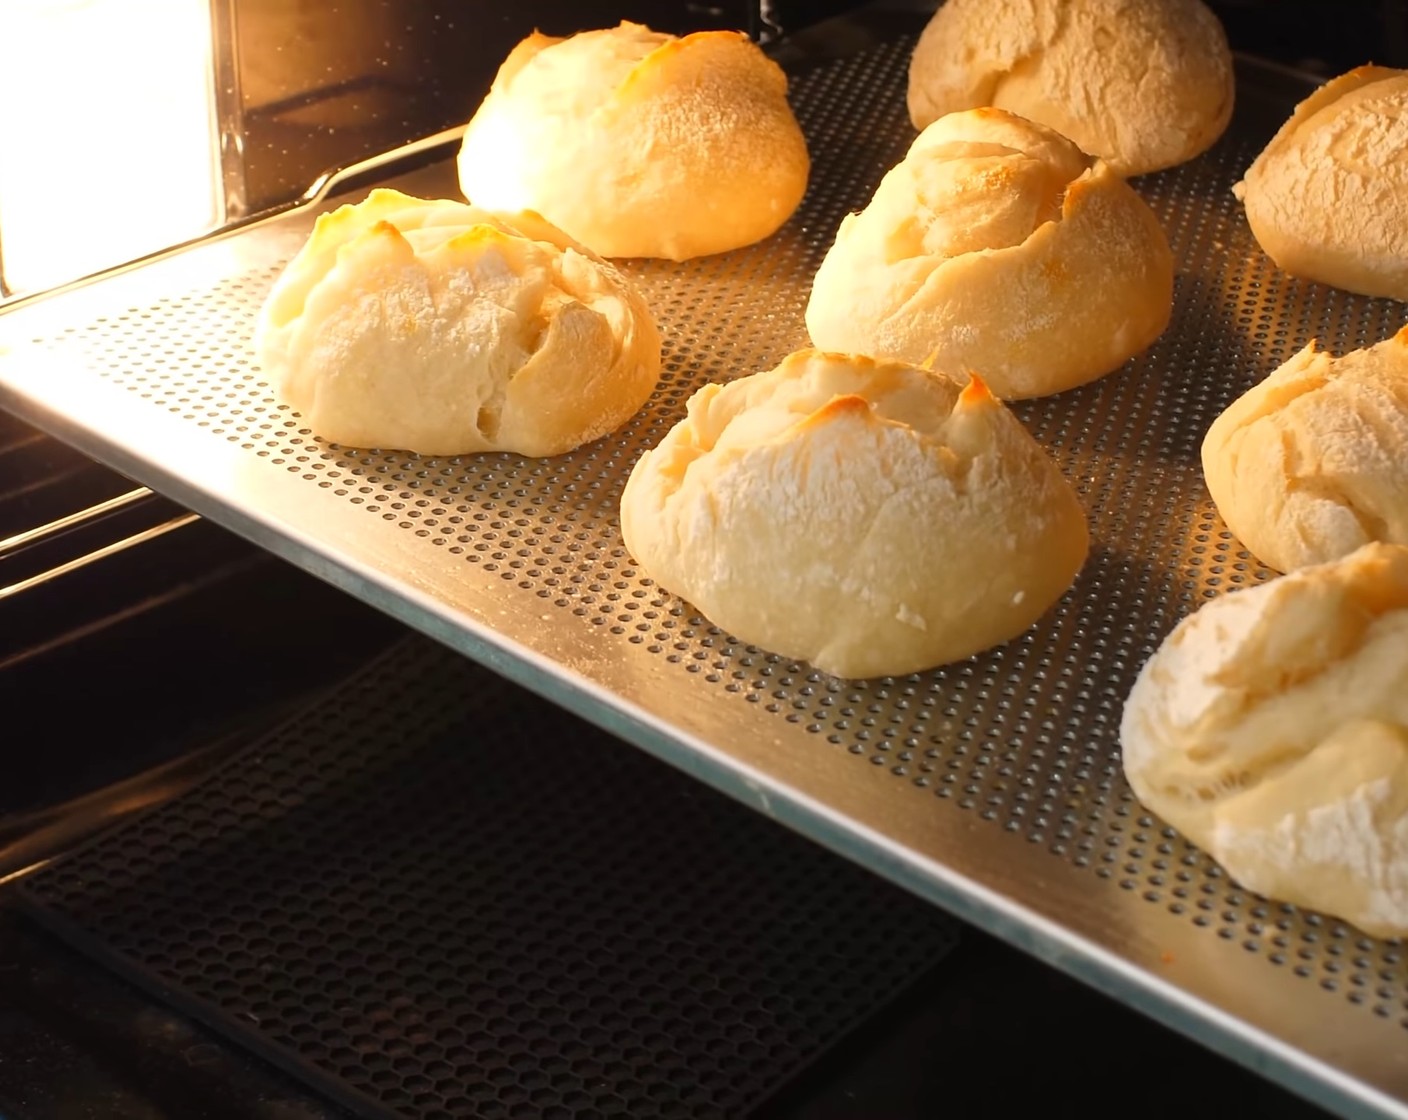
{"type": "Point", "coordinates": [990, 787]}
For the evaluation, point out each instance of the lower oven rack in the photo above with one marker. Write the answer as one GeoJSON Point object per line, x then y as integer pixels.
{"type": "Point", "coordinates": [991, 787]}
{"type": "Point", "coordinates": [616, 942]}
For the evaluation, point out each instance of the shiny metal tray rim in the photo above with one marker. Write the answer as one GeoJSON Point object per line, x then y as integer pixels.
{"type": "Point", "coordinates": [1064, 916]}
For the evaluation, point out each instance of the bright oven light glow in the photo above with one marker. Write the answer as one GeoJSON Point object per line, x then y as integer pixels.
{"type": "Point", "coordinates": [108, 141]}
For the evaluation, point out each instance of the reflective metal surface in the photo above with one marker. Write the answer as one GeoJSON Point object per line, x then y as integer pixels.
{"type": "Point", "coordinates": [991, 787]}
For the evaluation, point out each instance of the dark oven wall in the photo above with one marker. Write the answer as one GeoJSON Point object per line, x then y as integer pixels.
{"type": "Point", "coordinates": [1325, 37]}
{"type": "Point", "coordinates": [312, 85]}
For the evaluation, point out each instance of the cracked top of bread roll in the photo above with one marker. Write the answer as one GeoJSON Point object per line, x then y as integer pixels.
{"type": "Point", "coordinates": [1328, 197]}
{"type": "Point", "coordinates": [1143, 84]}
{"type": "Point", "coordinates": [997, 245]}
{"type": "Point", "coordinates": [869, 517]}
{"type": "Point", "coordinates": [441, 328]}
{"type": "Point", "coordinates": [638, 143]}
{"type": "Point", "coordinates": [1310, 464]}
{"type": "Point", "coordinates": [1271, 727]}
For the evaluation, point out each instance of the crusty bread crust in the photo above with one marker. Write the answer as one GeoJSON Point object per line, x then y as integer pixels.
{"type": "Point", "coordinates": [1143, 84]}
{"type": "Point", "coordinates": [869, 517]}
{"type": "Point", "coordinates": [1309, 465]}
{"type": "Point", "coordinates": [640, 144]}
{"type": "Point", "coordinates": [1271, 728]}
{"type": "Point", "coordinates": [1328, 197]}
{"type": "Point", "coordinates": [997, 246]}
{"type": "Point", "coordinates": [437, 327]}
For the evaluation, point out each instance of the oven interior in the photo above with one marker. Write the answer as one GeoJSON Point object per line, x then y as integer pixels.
{"type": "Point", "coordinates": [144, 650]}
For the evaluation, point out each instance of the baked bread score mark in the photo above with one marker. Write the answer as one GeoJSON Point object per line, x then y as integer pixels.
{"type": "Point", "coordinates": [640, 144]}
{"type": "Point", "coordinates": [445, 329]}
{"type": "Point", "coordinates": [997, 245]}
{"type": "Point", "coordinates": [1271, 728]}
{"type": "Point", "coordinates": [1327, 199]}
{"type": "Point", "coordinates": [869, 517]}
{"type": "Point", "coordinates": [1308, 465]}
{"type": "Point", "coordinates": [1142, 84]}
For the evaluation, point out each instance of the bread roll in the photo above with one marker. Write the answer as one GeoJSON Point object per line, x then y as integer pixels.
{"type": "Point", "coordinates": [998, 246]}
{"type": "Point", "coordinates": [869, 517]}
{"type": "Point", "coordinates": [640, 144]}
{"type": "Point", "coordinates": [1328, 198]}
{"type": "Point", "coordinates": [441, 328]}
{"type": "Point", "coordinates": [1143, 84]}
{"type": "Point", "coordinates": [1310, 464]}
{"type": "Point", "coordinates": [1271, 727]}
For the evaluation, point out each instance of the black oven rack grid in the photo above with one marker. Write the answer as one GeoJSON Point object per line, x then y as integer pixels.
{"type": "Point", "coordinates": [430, 895]}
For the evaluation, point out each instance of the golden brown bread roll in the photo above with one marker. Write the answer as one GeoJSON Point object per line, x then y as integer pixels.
{"type": "Point", "coordinates": [441, 328]}
{"type": "Point", "coordinates": [1143, 84]}
{"type": "Point", "coordinates": [1310, 464]}
{"type": "Point", "coordinates": [639, 144]}
{"type": "Point", "coordinates": [869, 517]}
{"type": "Point", "coordinates": [1271, 727]}
{"type": "Point", "coordinates": [1328, 197]}
{"type": "Point", "coordinates": [996, 245]}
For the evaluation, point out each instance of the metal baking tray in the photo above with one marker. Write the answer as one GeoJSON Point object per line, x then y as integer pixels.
{"type": "Point", "coordinates": [991, 787]}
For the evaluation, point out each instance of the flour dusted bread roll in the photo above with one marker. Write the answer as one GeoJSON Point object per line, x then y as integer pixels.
{"type": "Point", "coordinates": [441, 328]}
{"type": "Point", "coordinates": [1312, 463]}
{"type": "Point", "coordinates": [1328, 198]}
{"type": "Point", "coordinates": [869, 517]}
{"type": "Point", "coordinates": [639, 144]}
{"type": "Point", "coordinates": [997, 245]}
{"type": "Point", "coordinates": [1271, 727]}
{"type": "Point", "coordinates": [1143, 84]}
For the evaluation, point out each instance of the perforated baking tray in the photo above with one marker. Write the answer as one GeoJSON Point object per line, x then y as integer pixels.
{"type": "Point", "coordinates": [991, 787]}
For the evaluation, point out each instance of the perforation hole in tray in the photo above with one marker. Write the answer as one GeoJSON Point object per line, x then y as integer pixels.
{"type": "Point", "coordinates": [1023, 736]}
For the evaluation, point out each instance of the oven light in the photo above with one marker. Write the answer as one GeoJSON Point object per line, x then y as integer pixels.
{"type": "Point", "coordinates": [109, 145]}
